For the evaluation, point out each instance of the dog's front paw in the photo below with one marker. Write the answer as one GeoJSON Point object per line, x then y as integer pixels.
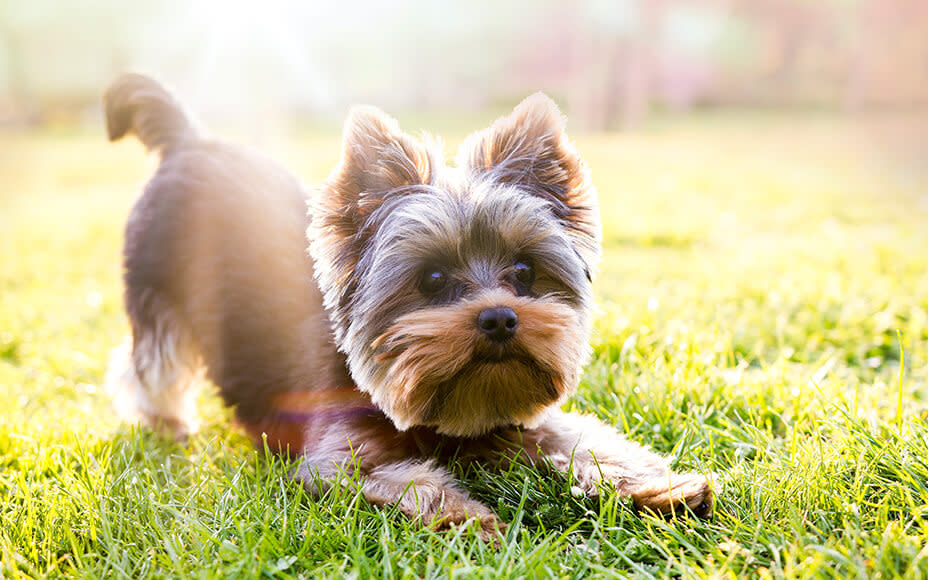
{"type": "Point", "coordinates": [675, 493]}
{"type": "Point", "coordinates": [458, 510]}
{"type": "Point", "coordinates": [428, 494]}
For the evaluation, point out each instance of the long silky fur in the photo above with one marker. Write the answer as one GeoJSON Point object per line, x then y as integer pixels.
{"type": "Point", "coordinates": [218, 282]}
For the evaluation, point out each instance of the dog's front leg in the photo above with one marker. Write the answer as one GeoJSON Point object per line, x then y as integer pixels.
{"type": "Point", "coordinates": [423, 490]}
{"type": "Point", "coordinates": [390, 472]}
{"type": "Point", "coordinates": [596, 452]}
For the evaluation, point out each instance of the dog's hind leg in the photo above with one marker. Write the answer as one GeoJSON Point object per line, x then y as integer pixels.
{"type": "Point", "coordinates": [154, 377]}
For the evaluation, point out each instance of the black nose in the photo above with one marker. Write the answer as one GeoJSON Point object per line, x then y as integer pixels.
{"type": "Point", "coordinates": [498, 324]}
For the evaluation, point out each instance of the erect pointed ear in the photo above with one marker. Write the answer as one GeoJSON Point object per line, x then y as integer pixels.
{"type": "Point", "coordinates": [530, 148]}
{"type": "Point", "coordinates": [378, 161]}
{"type": "Point", "coordinates": [377, 157]}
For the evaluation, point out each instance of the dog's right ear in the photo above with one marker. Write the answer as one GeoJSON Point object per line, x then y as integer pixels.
{"type": "Point", "coordinates": [377, 158]}
{"type": "Point", "coordinates": [530, 148]}
{"type": "Point", "coordinates": [378, 161]}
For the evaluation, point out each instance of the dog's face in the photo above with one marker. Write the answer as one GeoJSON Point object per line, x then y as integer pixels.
{"type": "Point", "coordinates": [461, 296]}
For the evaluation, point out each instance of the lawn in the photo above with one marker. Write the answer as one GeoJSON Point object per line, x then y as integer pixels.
{"type": "Point", "coordinates": [763, 314]}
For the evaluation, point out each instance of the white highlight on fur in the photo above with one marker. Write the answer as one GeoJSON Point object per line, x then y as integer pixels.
{"type": "Point", "coordinates": [152, 385]}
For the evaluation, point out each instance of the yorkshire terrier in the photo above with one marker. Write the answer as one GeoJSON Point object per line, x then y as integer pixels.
{"type": "Point", "coordinates": [440, 311]}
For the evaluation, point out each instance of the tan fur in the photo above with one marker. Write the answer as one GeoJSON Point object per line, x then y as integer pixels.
{"type": "Point", "coordinates": [443, 376]}
{"type": "Point", "coordinates": [427, 493]}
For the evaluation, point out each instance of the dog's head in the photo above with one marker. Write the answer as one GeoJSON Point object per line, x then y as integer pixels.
{"type": "Point", "coordinates": [460, 295]}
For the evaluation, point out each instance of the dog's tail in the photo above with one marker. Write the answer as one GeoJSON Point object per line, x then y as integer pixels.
{"type": "Point", "coordinates": [137, 104]}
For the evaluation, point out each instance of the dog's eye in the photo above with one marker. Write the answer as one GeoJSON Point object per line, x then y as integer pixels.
{"type": "Point", "coordinates": [433, 280]}
{"type": "Point", "coordinates": [525, 274]}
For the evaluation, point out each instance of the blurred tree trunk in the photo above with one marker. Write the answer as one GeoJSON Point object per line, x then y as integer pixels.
{"type": "Point", "coordinates": [858, 61]}
{"type": "Point", "coordinates": [638, 66]}
{"type": "Point", "coordinates": [17, 89]}
{"type": "Point", "coordinates": [585, 93]}
{"type": "Point", "coordinates": [613, 70]}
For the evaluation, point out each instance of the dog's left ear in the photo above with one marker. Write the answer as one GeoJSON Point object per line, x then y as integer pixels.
{"type": "Point", "coordinates": [378, 162]}
{"type": "Point", "coordinates": [530, 148]}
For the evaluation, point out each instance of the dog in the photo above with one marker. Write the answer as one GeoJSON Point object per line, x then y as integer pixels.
{"type": "Point", "coordinates": [440, 311]}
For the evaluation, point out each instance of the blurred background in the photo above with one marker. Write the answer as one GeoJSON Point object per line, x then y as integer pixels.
{"type": "Point", "coordinates": [611, 63]}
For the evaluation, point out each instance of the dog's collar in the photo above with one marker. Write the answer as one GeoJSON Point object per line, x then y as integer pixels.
{"type": "Point", "coordinates": [287, 423]}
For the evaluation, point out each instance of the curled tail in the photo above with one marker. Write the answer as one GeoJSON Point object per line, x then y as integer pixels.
{"type": "Point", "coordinates": [137, 104]}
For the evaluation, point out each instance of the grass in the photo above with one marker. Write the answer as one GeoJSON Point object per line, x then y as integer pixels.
{"type": "Point", "coordinates": [762, 278]}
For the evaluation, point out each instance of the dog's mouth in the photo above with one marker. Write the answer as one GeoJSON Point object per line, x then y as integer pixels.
{"type": "Point", "coordinates": [497, 359]}
{"type": "Point", "coordinates": [492, 389]}
{"type": "Point", "coordinates": [500, 353]}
